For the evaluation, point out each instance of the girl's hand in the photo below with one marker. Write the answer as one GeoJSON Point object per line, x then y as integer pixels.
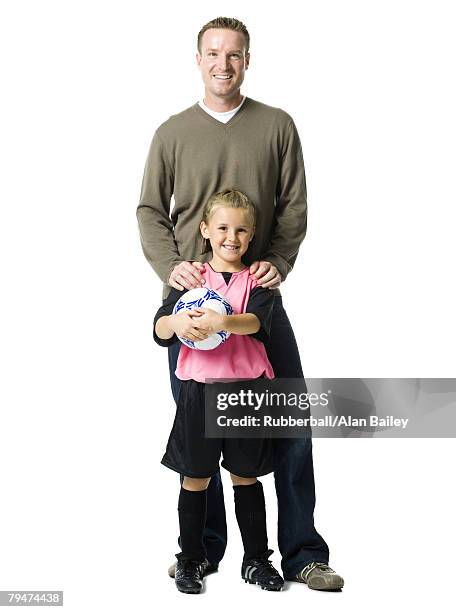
{"type": "Point", "coordinates": [185, 325]}
{"type": "Point", "coordinates": [209, 321]}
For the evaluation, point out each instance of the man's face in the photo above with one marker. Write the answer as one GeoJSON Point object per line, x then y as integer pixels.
{"type": "Point", "coordinates": [223, 62]}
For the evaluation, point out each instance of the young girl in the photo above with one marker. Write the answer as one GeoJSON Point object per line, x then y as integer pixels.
{"type": "Point", "coordinates": [227, 228]}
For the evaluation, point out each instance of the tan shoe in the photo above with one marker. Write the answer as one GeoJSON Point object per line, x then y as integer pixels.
{"type": "Point", "coordinates": [321, 577]}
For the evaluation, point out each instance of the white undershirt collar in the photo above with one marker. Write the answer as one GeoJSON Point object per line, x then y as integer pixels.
{"type": "Point", "coordinates": [225, 116]}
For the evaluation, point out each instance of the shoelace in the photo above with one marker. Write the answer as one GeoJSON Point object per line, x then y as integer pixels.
{"type": "Point", "coordinates": [308, 568]}
{"type": "Point", "coordinates": [194, 566]}
{"type": "Point", "coordinates": [265, 566]}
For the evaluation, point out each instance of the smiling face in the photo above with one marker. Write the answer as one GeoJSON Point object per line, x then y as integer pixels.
{"type": "Point", "coordinates": [229, 230]}
{"type": "Point", "coordinates": [223, 62]}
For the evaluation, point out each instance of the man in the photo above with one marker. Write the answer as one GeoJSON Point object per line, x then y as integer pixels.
{"type": "Point", "coordinates": [228, 140]}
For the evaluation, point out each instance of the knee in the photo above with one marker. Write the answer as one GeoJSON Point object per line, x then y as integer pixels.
{"type": "Point", "coordinates": [195, 484]}
{"type": "Point", "coordinates": [238, 480]}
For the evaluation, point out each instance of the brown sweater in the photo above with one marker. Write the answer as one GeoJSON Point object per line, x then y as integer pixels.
{"type": "Point", "coordinates": [193, 155]}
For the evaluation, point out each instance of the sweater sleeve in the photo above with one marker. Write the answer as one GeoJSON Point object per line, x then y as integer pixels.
{"type": "Point", "coordinates": [155, 225]}
{"type": "Point", "coordinates": [291, 205]}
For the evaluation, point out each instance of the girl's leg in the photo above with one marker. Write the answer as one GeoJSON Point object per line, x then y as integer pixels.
{"type": "Point", "coordinates": [195, 484]}
{"type": "Point", "coordinates": [251, 515]}
{"type": "Point", "coordinates": [192, 517]}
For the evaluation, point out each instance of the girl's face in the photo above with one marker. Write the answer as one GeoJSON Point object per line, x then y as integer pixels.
{"type": "Point", "coordinates": [229, 231]}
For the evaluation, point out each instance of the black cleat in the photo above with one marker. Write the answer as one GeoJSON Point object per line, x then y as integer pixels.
{"type": "Point", "coordinates": [189, 575]}
{"type": "Point", "coordinates": [210, 569]}
{"type": "Point", "coordinates": [261, 571]}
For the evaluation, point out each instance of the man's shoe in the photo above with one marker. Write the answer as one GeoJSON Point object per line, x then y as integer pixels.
{"type": "Point", "coordinates": [210, 569]}
{"type": "Point", "coordinates": [321, 577]}
{"type": "Point", "coordinates": [261, 571]}
{"type": "Point", "coordinates": [189, 575]}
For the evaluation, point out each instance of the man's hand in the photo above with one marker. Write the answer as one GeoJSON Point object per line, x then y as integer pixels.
{"type": "Point", "coordinates": [185, 325]}
{"type": "Point", "coordinates": [266, 274]}
{"type": "Point", "coordinates": [209, 321]}
{"type": "Point", "coordinates": [186, 275]}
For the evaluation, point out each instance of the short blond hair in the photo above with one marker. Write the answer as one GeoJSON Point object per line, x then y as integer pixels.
{"type": "Point", "coordinates": [225, 23]}
{"type": "Point", "coordinates": [229, 198]}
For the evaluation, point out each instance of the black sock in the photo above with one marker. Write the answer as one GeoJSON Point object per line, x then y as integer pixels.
{"type": "Point", "coordinates": [192, 518]}
{"type": "Point", "coordinates": [251, 517]}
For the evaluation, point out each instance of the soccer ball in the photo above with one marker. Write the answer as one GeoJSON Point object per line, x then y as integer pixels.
{"type": "Point", "coordinates": [203, 297]}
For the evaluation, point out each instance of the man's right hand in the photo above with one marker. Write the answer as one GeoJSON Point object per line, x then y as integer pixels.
{"type": "Point", "coordinates": [186, 275]}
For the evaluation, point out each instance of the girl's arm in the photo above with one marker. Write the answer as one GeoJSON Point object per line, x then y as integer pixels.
{"type": "Point", "coordinates": [163, 327]}
{"type": "Point", "coordinates": [241, 324]}
{"type": "Point", "coordinates": [182, 324]}
{"type": "Point", "coordinates": [168, 326]}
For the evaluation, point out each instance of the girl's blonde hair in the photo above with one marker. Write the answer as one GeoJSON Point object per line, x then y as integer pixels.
{"type": "Point", "coordinates": [230, 198]}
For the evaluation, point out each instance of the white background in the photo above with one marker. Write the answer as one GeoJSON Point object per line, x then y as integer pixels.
{"type": "Point", "coordinates": [85, 404]}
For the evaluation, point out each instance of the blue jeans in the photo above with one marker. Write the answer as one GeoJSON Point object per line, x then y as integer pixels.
{"type": "Point", "coordinates": [299, 542]}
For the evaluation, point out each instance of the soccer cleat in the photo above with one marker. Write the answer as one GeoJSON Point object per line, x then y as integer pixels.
{"type": "Point", "coordinates": [210, 569]}
{"type": "Point", "coordinates": [261, 571]}
{"type": "Point", "coordinates": [321, 577]}
{"type": "Point", "coordinates": [189, 575]}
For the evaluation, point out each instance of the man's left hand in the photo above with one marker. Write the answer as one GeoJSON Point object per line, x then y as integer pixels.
{"type": "Point", "coordinates": [266, 274]}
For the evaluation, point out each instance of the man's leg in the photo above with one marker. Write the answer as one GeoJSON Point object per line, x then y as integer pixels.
{"type": "Point", "coordinates": [215, 532]}
{"type": "Point", "coordinates": [298, 540]}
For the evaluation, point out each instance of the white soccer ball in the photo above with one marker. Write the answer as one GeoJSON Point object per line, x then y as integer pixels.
{"type": "Point", "coordinates": [203, 297]}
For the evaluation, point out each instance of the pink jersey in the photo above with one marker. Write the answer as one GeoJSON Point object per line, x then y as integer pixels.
{"type": "Point", "coordinates": [240, 357]}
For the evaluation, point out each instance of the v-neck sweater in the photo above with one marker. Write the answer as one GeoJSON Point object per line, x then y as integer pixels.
{"type": "Point", "coordinates": [193, 155]}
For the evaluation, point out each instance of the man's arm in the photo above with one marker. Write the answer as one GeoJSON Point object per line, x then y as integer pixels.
{"type": "Point", "coordinates": [291, 208]}
{"type": "Point", "coordinates": [155, 225]}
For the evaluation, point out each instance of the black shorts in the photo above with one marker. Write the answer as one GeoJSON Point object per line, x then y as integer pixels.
{"type": "Point", "coordinates": [191, 454]}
